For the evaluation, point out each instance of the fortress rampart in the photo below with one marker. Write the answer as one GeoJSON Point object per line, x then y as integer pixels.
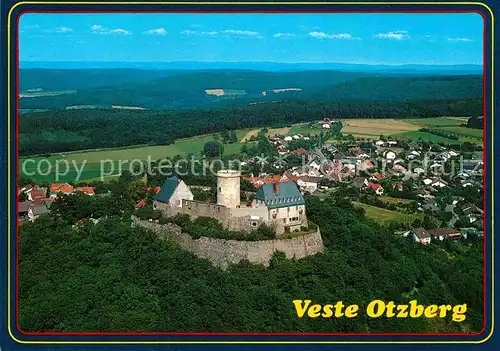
{"type": "Point", "coordinates": [223, 252]}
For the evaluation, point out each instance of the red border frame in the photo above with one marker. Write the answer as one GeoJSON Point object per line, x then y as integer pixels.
{"type": "Point", "coordinates": [485, 70]}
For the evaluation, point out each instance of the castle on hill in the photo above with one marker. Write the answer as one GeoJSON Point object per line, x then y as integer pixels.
{"type": "Point", "coordinates": [280, 204]}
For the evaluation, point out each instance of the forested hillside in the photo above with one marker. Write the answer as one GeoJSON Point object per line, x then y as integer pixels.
{"type": "Point", "coordinates": [111, 277]}
{"type": "Point", "coordinates": [64, 79]}
{"type": "Point", "coordinates": [66, 130]}
{"type": "Point", "coordinates": [186, 90]}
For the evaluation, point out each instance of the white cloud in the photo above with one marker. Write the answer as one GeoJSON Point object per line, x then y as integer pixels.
{"type": "Point", "coordinates": [224, 32]}
{"type": "Point", "coordinates": [97, 28]}
{"type": "Point", "coordinates": [193, 32]}
{"type": "Point", "coordinates": [157, 31]}
{"type": "Point", "coordinates": [240, 32]}
{"type": "Point", "coordinates": [323, 35]}
{"type": "Point", "coordinates": [460, 39]}
{"type": "Point", "coordinates": [396, 35]}
{"type": "Point", "coordinates": [284, 35]}
{"type": "Point", "coordinates": [120, 31]}
{"type": "Point", "coordinates": [58, 30]}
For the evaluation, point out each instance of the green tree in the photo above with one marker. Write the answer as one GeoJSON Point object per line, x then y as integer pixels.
{"type": "Point", "coordinates": [212, 149]}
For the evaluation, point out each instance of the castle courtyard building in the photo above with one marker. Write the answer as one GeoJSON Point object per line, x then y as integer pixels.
{"type": "Point", "coordinates": [285, 204]}
{"type": "Point", "coordinates": [279, 204]}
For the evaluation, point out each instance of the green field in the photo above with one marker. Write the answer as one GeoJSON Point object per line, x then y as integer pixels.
{"type": "Point", "coordinates": [384, 216]}
{"type": "Point", "coordinates": [463, 131]}
{"type": "Point", "coordinates": [416, 135]}
{"type": "Point", "coordinates": [438, 121]}
{"type": "Point", "coordinates": [111, 161]}
{"type": "Point", "coordinates": [304, 129]}
{"type": "Point", "coordinates": [394, 200]}
{"type": "Point", "coordinates": [449, 125]}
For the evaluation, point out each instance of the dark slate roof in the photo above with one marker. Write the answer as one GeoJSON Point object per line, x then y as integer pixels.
{"type": "Point", "coordinates": [24, 206]}
{"type": "Point", "coordinates": [289, 195]}
{"type": "Point", "coordinates": [167, 189]}
{"type": "Point", "coordinates": [39, 209]}
{"type": "Point", "coordinates": [421, 233]}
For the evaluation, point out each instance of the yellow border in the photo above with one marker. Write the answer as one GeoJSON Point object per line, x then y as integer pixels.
{"type": "Point", "coordinates": [238, 342]}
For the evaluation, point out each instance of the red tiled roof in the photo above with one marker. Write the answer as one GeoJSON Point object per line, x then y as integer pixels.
{"type": "Point", "coordinates": [37, 192]}
{"type": "Point", "coordinates": [374, 186]}
{"type": "Point", "coordinates": [89, 190]}
{"type": "Point", "coordinates": [156, 189]}
{"type": "Point", "coordinates": [258, 181]}
{"type": "Point", "coordinates": [377, 175]}
{"type": "Point", "coordinates": [300, 151]}
{"type": "Point", "coordinates": [141, 204]}
{"type": "Point", "coordinates": [61, 187]}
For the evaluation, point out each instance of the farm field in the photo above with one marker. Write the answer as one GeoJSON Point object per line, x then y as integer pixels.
{"type": "Point", "coordinates": [415, 135]}
{"type": "Point", "coordinates": [376, 126]}
{"type": "Point", "coordinates": [394, 200]}
{"type": "Point", "coordinates": [468, 132]}
{"type": "Point", "coordinates": [110, 159]}
{"type": "Point", "coordinates": [365, 136]}
{"type": "Point", "coordinates": [439, 121]}
{"type": "Point", "coordinates": [384, 216]}
{"type": "Point", "coordinates": [247, 134]}
{"type": "Point", "coordinates": [304, 129]}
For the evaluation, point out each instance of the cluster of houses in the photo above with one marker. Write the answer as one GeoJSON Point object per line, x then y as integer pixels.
{"type": "Point", "coordinates": [39, 199]}
{"type": "Point", "coordinates": [368, 166]}
{"type": "Point", "coordinates": [425, 236]}
{"type": "Point", "coordinates": [386, 163]}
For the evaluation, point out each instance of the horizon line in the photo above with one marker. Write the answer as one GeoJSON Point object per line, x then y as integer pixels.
{"type": "Point", "coordinates": [266, 62]}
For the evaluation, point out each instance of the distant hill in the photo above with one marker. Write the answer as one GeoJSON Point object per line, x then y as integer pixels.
{"type": "Point", "coordinates": [403, 88]}
{"type": "Point", "coordinates": [63, 79]}
{"type": "Point", "coordinates": [261, 66]}
{"type": "Point", "coordinates": [187, 89]}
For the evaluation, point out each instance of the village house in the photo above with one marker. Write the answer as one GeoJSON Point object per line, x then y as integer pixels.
{"type": "Point", "coordinates": [420, 235]}
{"type": "Point", "coordinates": [308, 184]}
{"type": "Point", "coordinates": [443, 233]}
{"type": "Point", "coordinates": [34, 192]}
{"type": "Point", "coordinates": [376, 187]}
{"type": "Point", "coordinates": [31, 210]}
{"type": "Point", "coordinates": [87, 190]}
{"type": "Point", "coordinates": [64, 188]}
{"type": "Point", "coordinates": [173, 191]}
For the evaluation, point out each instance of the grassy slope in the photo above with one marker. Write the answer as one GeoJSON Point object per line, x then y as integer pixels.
{"type": "Point", "coordinates": [109, 160]}
{"type": "Point", "coordinates": [415, 135]}
{"type": "Point", "coordinates": [384, 216]}
{"type": "Point", "coordinates": [450, 125]}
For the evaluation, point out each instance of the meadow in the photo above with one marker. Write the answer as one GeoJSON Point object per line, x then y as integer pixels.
{"type": "Point", "coordinates": [385, 217]}
{"type": "Point", "coordinates": [409, 128]}
{"type": "Point", "coordinates": [112, 161]}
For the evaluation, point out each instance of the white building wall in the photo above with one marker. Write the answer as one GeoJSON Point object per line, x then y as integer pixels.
{"type": "Point", "coordinates": [182, 192]}
{"type": "Point", "coordinates": [287, 214]}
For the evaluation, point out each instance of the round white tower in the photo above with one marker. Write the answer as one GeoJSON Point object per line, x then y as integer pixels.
{"type": "Point", "coordinates": [228, 188]}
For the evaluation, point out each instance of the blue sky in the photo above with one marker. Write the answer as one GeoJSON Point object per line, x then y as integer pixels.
{"type": "Point", "coordinates": [317, 38]}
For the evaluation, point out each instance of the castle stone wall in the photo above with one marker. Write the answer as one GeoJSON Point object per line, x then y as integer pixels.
{"type": "Point", "coordinates": [223, 252]}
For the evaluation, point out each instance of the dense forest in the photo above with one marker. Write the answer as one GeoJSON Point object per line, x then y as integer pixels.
{"type": "Point", "coordinates": [67, 130]}
{"type": "Point", "coordinates": [111, 277]}
{"type": "Point", "coordinates": [186, 90]}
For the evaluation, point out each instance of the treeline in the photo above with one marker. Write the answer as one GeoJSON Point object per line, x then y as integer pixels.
{"type": "Point", "coordinates": [111, 277]}
{"type": "Point", "coordinates": [440, 133]}
{"type": "Point", "coordinates": [475, 122]}
{"type": "Point", "coordinates": [69, 130]}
